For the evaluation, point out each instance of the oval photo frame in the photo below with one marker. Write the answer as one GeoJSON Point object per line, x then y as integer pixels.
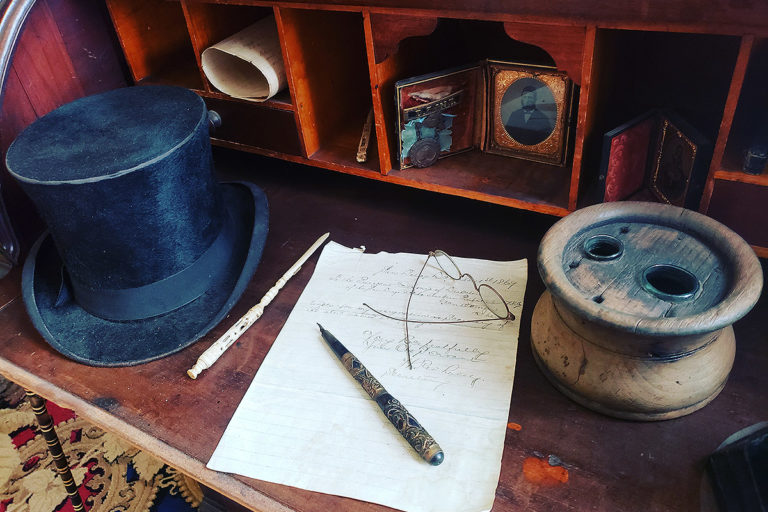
{"type": "Point", "coordinates": [528, 111]}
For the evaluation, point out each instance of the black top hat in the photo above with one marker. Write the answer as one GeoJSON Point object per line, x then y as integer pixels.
{"type": "Point", "coordinates": [145, 251]}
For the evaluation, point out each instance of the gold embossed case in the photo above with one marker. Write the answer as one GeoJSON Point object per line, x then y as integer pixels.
{"type": "Point", "coordinates": [657, 156]}
{"type": "Point", "coordinates": [528, 112]}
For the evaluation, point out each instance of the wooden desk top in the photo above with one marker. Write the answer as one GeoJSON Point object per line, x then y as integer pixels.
{"type": "Point", "coordinates": [611, 464]}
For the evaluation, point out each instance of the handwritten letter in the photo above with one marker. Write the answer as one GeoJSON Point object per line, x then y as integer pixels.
{"type": "Point", "coordinates": [306, 423]}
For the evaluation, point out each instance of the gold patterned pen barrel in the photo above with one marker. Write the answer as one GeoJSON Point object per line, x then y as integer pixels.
{"type": "Point", "coordinates": [403, 421]}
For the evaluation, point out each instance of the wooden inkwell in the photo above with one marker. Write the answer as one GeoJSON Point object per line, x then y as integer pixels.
{"type": "Point", "coordinates": [636, 319]}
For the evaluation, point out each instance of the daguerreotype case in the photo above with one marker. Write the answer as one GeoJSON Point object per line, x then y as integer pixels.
{"type": "Point", "coordinates": [437, 114]}
{"type": "Point", "coordinates": [529, 112]}
{"type": "Point", "coordinates": [516, 110]}
{"type": "Point", "coordinates": [656, 156]}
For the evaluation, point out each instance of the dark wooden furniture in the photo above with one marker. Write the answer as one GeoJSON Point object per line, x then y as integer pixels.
{"type": "Point", "coordinates": [707, 61]}
{"type": "Point", "coordinates": [611, 464]}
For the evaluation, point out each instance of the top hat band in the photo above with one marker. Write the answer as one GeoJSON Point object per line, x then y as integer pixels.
{"type": "Point", "coordinates": [161, 296]}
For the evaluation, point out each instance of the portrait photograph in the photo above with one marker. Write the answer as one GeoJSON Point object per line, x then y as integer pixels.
{"type": "Point", "coordinates": [674, 165]}
{"type": "Point", "coordinates": [529, 112]}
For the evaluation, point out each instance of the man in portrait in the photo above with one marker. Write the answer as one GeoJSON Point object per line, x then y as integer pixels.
{"type": "Point", "coordinates": [528, 125]}
{"type": "Point", "coordinates": [672, 178]}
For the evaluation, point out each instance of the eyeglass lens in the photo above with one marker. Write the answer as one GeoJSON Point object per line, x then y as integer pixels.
{"type": "Point", "coordinates": [493, 301]}
{"type": "Point", "coordinates": [447, 265]}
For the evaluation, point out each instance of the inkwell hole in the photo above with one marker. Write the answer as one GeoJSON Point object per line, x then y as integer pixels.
{"type": "Point", "coordinates": [603, 247]}
{"type": "Point", "coordinates": [670, 282]}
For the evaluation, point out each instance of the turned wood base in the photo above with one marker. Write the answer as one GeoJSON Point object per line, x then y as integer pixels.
{"type": "Point", "coordinates": [652, 387]}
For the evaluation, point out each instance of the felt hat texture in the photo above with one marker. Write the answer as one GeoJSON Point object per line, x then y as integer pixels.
{"type": "Point", "coordinates": [145, 252]}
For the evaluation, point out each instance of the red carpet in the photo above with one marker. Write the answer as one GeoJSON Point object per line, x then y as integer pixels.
{"type": "Point", "coordinates": [112, 475]}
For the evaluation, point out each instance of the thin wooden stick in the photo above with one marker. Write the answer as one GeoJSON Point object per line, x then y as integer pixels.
{"type": "Point", "coordinates": [45, 422]}
{"type": "Point", "coordinates": [215, 351]}
{"type": "Point", "coordinates": [365, 138]}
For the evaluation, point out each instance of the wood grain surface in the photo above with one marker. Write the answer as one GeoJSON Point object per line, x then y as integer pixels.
{"type": "Point", "coordinates": [558, 455]}
{"type": "Point", "coordinates": [648, 387]}
{"type": "Point", "coordinates": [66, 50]}
{"type": "Point", "coordinates": [618, 283]}
{"type": "Point", "coordinates": [719, 16]}
{"type": "Point", "coordinates": [389, 29]}
{"type": "Point", "coordinates": [727, 270]}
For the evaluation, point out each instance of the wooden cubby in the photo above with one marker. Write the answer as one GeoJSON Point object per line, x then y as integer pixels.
{"type": "Point", "coordinates": [688, 74]}
{"type": "Point", "coordinates": [749, 122]}
{"type": "Point", "coordinates": [406, 46]}
{"type": "Point", "coordinates": [733, 196]}
{"type": "Point", "coordinates": [209, 24]}
{"type": "Point", "coordinates": [343, 59]}
{"type": "Point", "coordinates": [733, 204]}
{"type": "Point", "coordinates": [328, 74]}
{"type": "Point", "coordinates": [156, 42]}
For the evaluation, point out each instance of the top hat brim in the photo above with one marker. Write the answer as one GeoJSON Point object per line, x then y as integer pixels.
{"type": "Point", "coordinates": [86, 338]}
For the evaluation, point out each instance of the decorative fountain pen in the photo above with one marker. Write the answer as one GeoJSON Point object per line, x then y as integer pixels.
{"type": "Point", "coordinates": [403, 421]}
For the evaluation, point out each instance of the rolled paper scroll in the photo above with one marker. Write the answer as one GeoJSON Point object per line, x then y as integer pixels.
{"type": "Point", "coordinates": [249, 64]}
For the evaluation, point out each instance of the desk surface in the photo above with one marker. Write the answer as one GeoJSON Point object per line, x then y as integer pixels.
{"type": "Point", "coordinates": [612, 464]}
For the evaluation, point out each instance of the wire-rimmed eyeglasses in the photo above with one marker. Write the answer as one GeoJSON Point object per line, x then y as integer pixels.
{"type": "Point", "coordinates": [490, 297]}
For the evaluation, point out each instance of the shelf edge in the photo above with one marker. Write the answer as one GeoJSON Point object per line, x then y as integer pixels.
{"type": "Point", "coordinates": [521, 204]}
{"type": "Point", "coordinates": [742, 177]}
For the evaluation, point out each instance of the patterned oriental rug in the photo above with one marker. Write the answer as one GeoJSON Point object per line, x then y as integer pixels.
{"type": "Point", "coordinates": [112, 475]}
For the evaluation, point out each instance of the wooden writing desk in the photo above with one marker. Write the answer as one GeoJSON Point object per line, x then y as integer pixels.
{"type": "Point", "coordinates": [611, 464]}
